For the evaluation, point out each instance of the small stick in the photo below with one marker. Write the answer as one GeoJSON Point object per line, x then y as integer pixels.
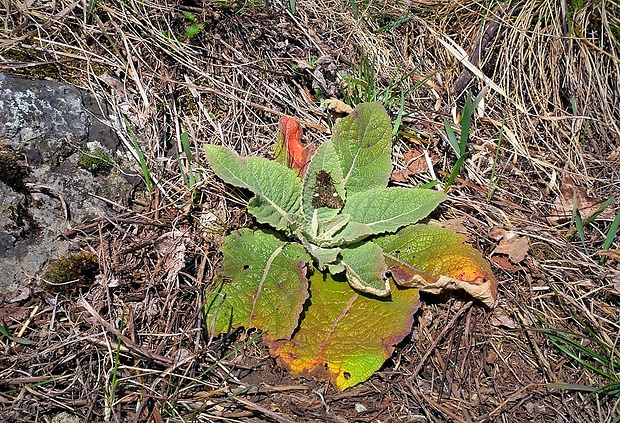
{"type": "Point", "coordinates": [484, 37]}
{"type": "Point", "coordinates": [437, 340]}
{"type": "Point", "coordinates": [264, 411]}
{"type": "Point", "coordinates": [25, 325]}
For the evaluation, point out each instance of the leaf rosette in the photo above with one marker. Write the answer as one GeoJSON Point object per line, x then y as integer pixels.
{"type": "Point", "coordinates": [337, 217]}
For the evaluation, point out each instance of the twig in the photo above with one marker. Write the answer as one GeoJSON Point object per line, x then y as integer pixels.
{"type": "Point", "coordinates": [437, 340]}
{"type": "Point", "coordinates": [264, 411]}
{"type": "Point", "coordinates": [484, 37]}
{"type": "Point", "coordinates": [132, 346]}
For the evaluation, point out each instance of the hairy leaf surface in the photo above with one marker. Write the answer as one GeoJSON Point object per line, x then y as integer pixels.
{"type": "Point", "coordinates": [386, 210]}
{"type": "Point", "coordinates": [277, 187]}
{"type": "Point", "coordinates": [345, 336]}
{"type": "Point", "coordinates": [363, 142]}
{"type": "Point", "coordinates": [365, 268]}
{"type": "Point", "coordinates": [267, 284]}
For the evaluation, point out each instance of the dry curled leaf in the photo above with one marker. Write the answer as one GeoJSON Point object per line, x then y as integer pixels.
{"type": "Point", "coordinates": [171, 248]}
{"type": "Point", "coordinates": [503, 320]}
{"type": "Point", "coordinates": [512, 244]}
{"type": "Point", "coordinates": [338, 106]}
{"type": "Point", "coordinates": [416, 163]}
{"type": "Point", "coordinates": [562, 209]}
{"type": "Point", "coordinates": [22, 294]}
{"type": "Point", "coordinates": [457, 225]}
{"type": "Point", "coordinates": [504, 263]}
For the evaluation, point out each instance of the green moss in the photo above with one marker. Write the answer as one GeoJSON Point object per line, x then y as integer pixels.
{"type": "Point", "coordinates": [12, 170]}
{"type": "Point", "coordinates": [97, 162]}
{"type": "Point", "coordinates": [80, 268]}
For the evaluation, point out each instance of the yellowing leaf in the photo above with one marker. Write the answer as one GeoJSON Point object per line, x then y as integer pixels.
{"type": "Point", "coordinates": [345, 336]}
{"type": "Point", "coordinates": [433, 259]}
{"type": "Point", "coordinates": [267, 285]}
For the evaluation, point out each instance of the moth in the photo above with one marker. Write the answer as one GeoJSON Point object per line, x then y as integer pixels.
{"type": "Point", "coordinates": [325, 194]}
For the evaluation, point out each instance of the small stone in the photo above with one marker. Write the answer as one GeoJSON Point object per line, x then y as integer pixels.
{"type": "Point", "coordinates": [64, 417]}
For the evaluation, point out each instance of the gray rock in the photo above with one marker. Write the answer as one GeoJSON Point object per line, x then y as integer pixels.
{"type": "Point", "coordinates": [49, 126]}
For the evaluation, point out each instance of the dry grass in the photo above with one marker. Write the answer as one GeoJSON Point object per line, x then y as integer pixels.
{"type": "Point", "coordinates": [132, 346]}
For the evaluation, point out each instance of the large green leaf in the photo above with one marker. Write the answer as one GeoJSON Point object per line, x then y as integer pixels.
{"type": "Point", "coordinates": [363, 141]}
{"type": "Point", "coordinates": [345, 336]}
{"type": "Point", "coordinates": [385, 210]}
{"type": "Point", "coordinates": [365, 268]}
{"type": "Point", "coordinates": [433, 259]}
{"type": "Point", "coordinates": [277, 187]}
{"type": "Point", "coordinates": [267, 284]}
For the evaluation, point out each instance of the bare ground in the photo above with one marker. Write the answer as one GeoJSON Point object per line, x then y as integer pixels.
{"type": "Point", "coordinates": [132, 346]}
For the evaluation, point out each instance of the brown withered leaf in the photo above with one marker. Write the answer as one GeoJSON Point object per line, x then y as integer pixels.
{"type": "Point", "coordinates": [512, 244]}
{"type": "Point", "coordinates": [503, 320]}
{"type": "Point", "coordinates": [338, 106]}
{"type": "Point", "coordinates": [11, 312]}
{"type": "Point", "coordinates": [562, 209]}
{"type": "Point", "coordinates": [416, 164]}
{"type": "Point", "coordinates": [457, 225]}
{"type": "Point", "coordinates": [612, 254]}
{"type": "Point", "coordinates": [22, 294]}
{"type": "Point", "coordinates": [504, 263]}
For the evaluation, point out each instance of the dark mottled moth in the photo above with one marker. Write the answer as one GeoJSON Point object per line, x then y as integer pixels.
{"type": "Point", "coordinates": [325, 194]}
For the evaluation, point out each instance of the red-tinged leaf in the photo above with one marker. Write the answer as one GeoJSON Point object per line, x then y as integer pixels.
{"type": "Point", "coordinates": [346, 336]}
{"type": "Point", "coordinates": [433, 259]}
{"type": "Point", "coordinates": [289, 149]}
{"type": "Point", "coordinates": [266, 287]}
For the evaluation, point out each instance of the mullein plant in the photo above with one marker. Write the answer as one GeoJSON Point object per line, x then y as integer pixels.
{"type": "Point", "coordinates": [333, 275]}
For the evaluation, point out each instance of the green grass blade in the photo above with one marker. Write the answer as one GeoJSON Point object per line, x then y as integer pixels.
{"type": "Point", "coordinates": [4, 330]}
{"type": "Point", "coordinates": [465, 123]}
{"type": "Point", "coordinates": [468, 112]}
{"type": "Point", "coordinates": [577, 220]}
{"type": "Point", "coordinates": [577, 352]}
{"type": "Point", "coordinates": [188, 153]}
{"type": "Point", "coordinates": [572, 387]}
{"type": "Point", "coordinates": [611, 235]}
{"type": "Point", "coordinates": [355, 8]}
{"type": "Point", "coordinates": [399, 116]}
{"type": "Point", "coordinates": [141, 159]}
{"type": "Point", "coordinates": [451, 137]}
{"type": "Point", "coordinates": [429, 184]}
{"type": "Point", "coordinates": [455, 171]}
{"type": "Point", "coordinates": [600, 210]}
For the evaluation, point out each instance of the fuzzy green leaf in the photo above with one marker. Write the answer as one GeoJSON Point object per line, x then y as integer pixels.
{"type": "Point", "coordinates": [322, 256]}
{"type": "Point", "coordinates": [267, 284]}
{"type": "Point", "coordinates": [386, 210]}
{"type": "Point", "coordinates": [365, 268]}
{"type": "Point", "coordinates": [346, 336]}
{"type": "Point", "coordinates": [433, 259]}
{"type": "Point", "coordinates": [363, 142]}
{"type": "Point", "coordinates": [276, 187]}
